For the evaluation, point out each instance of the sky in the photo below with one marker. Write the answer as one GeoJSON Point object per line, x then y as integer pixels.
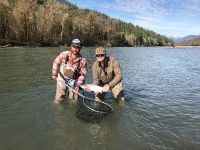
{"type": "Point", "coordinates": [172, 18]}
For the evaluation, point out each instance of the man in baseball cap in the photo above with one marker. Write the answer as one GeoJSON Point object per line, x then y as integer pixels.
{"type": "Point", "coordinates": [108, 74]}
{"type": "Point", "coordinates": [69, 65]}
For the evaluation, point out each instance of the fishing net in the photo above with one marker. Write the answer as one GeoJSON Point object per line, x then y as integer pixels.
{"type": "Point", "coordinates": [89, 110]}
{"type": "Point", "coordinates": [92, 111]}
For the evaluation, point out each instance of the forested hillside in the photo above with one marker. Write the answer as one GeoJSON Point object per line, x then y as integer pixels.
{"type": "Point", "coordinates": [52, 23]}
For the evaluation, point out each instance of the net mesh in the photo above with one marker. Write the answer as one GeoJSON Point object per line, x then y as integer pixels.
{"type": "Point", "coordinates": [92, 111]}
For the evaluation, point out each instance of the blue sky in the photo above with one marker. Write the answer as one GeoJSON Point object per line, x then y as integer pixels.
{"type": "Point", "coordinates": [175, 18]}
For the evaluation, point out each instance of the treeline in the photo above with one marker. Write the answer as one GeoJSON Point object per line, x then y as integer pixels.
{"type": "Point", "coordinates": [52, 23]}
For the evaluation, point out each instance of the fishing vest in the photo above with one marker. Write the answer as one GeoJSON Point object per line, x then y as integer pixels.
{"type": "Point", "coordinates": [106, 71]}
{"type": "Point", "coordinates": [70, 71]}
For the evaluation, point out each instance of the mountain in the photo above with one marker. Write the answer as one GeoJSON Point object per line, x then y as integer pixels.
{"type": "Point", "coordinates": [192, 42]}
{"type": "Point", "coordinates": [185, 38]}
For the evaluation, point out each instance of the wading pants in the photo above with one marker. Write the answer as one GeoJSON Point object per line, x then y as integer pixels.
{"type": "Point", "coordinates": [61, 89]}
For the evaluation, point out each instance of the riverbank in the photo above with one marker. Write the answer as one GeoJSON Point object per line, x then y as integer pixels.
{"type": "Point", "coordinates": [62, 46]}
{"type": "Point", "coordinates": [180, 46]}
{"type": "Point", "coordinates": [5, 46]}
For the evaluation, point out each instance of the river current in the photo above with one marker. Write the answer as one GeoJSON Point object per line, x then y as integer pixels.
{"type": "Point", "coordinates": [161, 112]}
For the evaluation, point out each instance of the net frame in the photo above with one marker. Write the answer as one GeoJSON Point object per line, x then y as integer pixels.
{"type": "Point", "coordinates": [98, 114]}
{"type": "Point", "coordinates": [101, 102]}
{"type": "Point", "coordinates": [88, 110]}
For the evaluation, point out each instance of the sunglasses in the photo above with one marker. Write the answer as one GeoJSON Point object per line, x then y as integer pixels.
{"type": "Point", "coordinates": [100, 55]}
{"type": "Point", "coordinates": [77, 47]}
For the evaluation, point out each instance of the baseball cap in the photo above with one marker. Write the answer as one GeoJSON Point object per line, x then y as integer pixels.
{"type": "Point", "coordinates": [100, 50]}
{"type": "Point", "coordinates": [76, 42]}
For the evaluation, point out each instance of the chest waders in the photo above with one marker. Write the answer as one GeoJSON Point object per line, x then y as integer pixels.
{"type": "Point", "coordinates": [73, 74]}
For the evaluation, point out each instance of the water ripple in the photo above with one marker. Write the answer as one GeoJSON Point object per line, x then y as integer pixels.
{"type": "Point", "coordinates": [161, 109]}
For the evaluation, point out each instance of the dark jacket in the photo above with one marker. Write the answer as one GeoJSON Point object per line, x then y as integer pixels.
{"type": "Point", "coordinates": [107, 72]}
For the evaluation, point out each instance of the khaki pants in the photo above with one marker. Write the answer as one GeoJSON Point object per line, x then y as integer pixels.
{"type": "Point", "coordinates": [61, 93]}
{"type": "Point", "coordinates": [117, 92]}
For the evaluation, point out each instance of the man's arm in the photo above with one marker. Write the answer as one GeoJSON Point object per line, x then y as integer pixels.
{"type": "Point", "coordinates": [56, 64]}
{"type": "Point", "coordinates": [83, 71]}
{"type": "Point", "coordinates": [118, 73]}
{"type": "Point", "coordinates": [95, 74]}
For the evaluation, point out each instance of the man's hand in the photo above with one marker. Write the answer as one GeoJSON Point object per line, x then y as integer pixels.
{"type": "Point", "coordinates": [87, 88]}
{"type": "Point", "coordinates": [77, 88]}
{"type": "Point", "coordinates": [106, 88]}
{"type": "Point", "coordinates": [54, 77]}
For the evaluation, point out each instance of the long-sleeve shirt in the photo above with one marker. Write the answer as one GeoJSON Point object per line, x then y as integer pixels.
{"type": "Point", "coordinates": [112, 74]}
{"type": "Point", "coordinates": [60, 62]}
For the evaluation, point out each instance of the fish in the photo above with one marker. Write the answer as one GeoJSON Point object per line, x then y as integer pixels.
{"type": "Point", "coordinates": [71, 83]}
{"type": "Point", "coordinates": [94, 88]}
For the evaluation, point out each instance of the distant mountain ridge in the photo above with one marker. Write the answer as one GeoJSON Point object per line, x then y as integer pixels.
{"type": "Point", "coordinates": [64, 1]}
{"type": "Point", "coordinates": [185, 38]}
{"type": "Point", "coordinates": [193, 42]}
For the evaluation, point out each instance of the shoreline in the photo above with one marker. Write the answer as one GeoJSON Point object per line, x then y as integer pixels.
{"type": "Point", "coordinates": [185, 46]}
{"type": "Point", "coordinates": [29, 46]}
{"type": "Point", "coordinates": [180, 46]}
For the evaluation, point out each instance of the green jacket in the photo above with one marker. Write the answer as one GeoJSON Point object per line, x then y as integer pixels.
{"type": "Point", "coordinates": [107, 72]}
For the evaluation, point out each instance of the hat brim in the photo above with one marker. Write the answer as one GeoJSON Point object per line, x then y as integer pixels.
{"type": "Point", "coordinates": [76, 45]}
{"type": "Point", "coordinates": [100, 53]}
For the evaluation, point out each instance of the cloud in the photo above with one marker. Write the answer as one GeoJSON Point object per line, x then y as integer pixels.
{"type": "Point", "coordinates": [158, 8]}
{"type": "Point", "coordinates": [164, 16]}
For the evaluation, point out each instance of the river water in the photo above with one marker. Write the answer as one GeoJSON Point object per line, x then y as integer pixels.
{"type": "Point", "coordinates": [162, 109]}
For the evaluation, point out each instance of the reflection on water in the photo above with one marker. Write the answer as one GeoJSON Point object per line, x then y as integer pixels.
{"type": "Point", "coordinates": [161, 110]}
